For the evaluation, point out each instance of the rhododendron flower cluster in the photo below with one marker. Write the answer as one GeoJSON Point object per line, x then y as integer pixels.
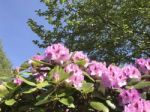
{"type": "Point", "coordinates": [77, 78]}
{"type": "Point", "coordinates": [128, 96]}
{"type": "Point", "coordinates": [140, 105]}
{"type": "Point", "coordinates": [131, 72]}
{"type": "Point", "coordinates": [86, 76]}
{"type": "Point", "coordinates": [132, 101]}
{"type": "Point", "coordinates": [143, 65]}
{"type": "Point", "coordinates": [113, 77]}
{"type": "Point", "coordinates": [38, 57]}
{"type": "Point", "coordinates": [40, 76]}
{"type": "Point", "coordinates": [57, 53]}
{"type": "Point", "coordinates": [79, 55]}
{"type": "Point", "coordinates": [96, 68]}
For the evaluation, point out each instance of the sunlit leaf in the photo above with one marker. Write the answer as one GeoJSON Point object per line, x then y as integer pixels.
{"type": "Point", "coordinates": [68, 101]}
{"type": "Point", "coordinates": [99, 106]}
{"type": "Point", "coordinates": [87, 87]}
{"type": "Point", "coordinates": [10, 102]}
{"type": "Point", "coordinates": [27, 81]}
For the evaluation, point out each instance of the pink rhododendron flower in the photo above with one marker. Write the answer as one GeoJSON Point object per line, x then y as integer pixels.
{"type": "Point", "coordinates": [140, 105]}
{"type": "Point", "coordinates": [143, 65]}
{"type": "Point", "coordinates": [39, 77]}
{"type": "Point", "coordinates": [72, 68]}
{"type": "Point", "coordinates": [76, 77]}
{"type": "Point", "coordinates": [131, 72]}
{"type": "Point", "coordinates": [18, 81]}
{"type": "Point", "coordinates": [113, 77]}
{"type": "Point", "coordinates": [128, 96]}
{"type": "Point", "coordinates": [96, 68]}
{"type": "Point", "coordinates": [148, 64]}
{"type": "Point", "coordinates": [141, 62]}
{"type": "Point", "coordinates": [38, 57]}
{"type": "Point", "coordinates": [57, 53]}
{"type": "Point", "coordinates": [79, 55]}
{"type": "Point", "coordinates": [76, 80]}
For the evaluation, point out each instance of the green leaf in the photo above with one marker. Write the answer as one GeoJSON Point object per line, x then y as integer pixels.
{"type": "Point", "coordinates": [10, 102]}
{"type": "Point", "coordinates": [81, 62]}
{"type": "Point", "coordinates": [146, 76]}
{"type": "Point", "coordinates": [110, 104]}
{"type": "Point", "coordinates": [142, 84]}
{"type": "Point", "coordinates": [87, 87]}
{"type": "Point", "coordinates": [62, 1]}
{"type": "Point", "coordinates": [62, 74]}
{"type": "Point", "coordinates": [68, 101]}
{"type": "Point", "coordinates": [50, 19]}
{"type": "Point", "coordinates": [10, 85]}
{"type": "Point", "coordinates": [3, 91]}
{"type": "Point", "coordinates": [27, 81]}
{"type": "Point", "coordinates": [42, 84]}
{"type": "Point", "coordinates": [46, 1]}
{"type": "Point", "coordinates": [65, 92]}
{"type": "Point", "coordinates": [30, 91]}
{"type": "Point", "coordinates": [99, 106]}
{"type": "Point", "coordinates": [37, 62]}
{"type": "Point", "coordinates": [101, 88]}
{"type": "Point", "coordinates": [24, 66]}
{"type": "Point", "coordinates": [42, 100]}
{"type": "Point", "coordinates": [88, 76]}
{"type": "Point", "coordinates": [132, 82]}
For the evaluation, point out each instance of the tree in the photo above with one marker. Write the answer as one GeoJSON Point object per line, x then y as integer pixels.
{"type": "Point", "coordinates": [116, 31]}
{"type": "Point", "coordinates": [5, 66]}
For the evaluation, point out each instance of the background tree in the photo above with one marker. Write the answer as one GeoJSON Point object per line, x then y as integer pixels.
{"type": "Point", "coordinates": [5, 65]}
{"type": "Point", "coordinates": [112, 30]}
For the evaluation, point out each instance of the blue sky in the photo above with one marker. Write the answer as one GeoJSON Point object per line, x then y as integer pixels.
{"type": "Point", "coordinates": [15, 34]}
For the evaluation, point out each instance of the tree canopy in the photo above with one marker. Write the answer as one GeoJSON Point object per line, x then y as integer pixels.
{"type": "Point", "coordinates": [116, 31]}
{"type": "Point", "coordinates": [5, 65]}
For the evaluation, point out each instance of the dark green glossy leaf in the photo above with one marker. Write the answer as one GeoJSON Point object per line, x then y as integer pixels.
{"type": "Point", "coordinates": [132, 82]}
{"type": "Point", "coordinates": [142, 84]}
{"type": "Point", "coordinates": [42, 100]}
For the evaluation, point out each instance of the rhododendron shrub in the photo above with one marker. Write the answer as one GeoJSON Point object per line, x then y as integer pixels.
{"type": "Point", "coordinates": [64, 81]}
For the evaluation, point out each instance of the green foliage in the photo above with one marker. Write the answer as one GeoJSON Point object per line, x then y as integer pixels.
{"type": "Point", "coordinates": [5, 66]}
{"type": "Point", "coordinates": [111, 30]}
